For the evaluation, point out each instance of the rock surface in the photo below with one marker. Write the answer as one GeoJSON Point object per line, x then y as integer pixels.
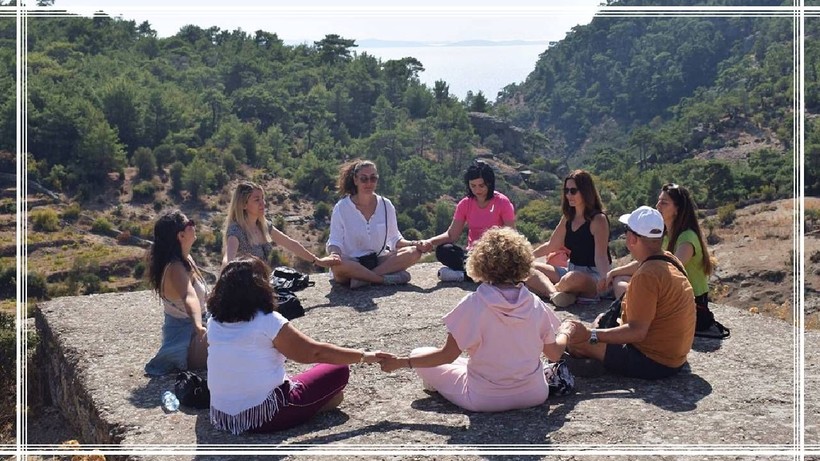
{"type": "Point", "coordinates": [738, 392]}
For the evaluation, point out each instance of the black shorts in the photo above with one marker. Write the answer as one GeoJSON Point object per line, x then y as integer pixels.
{"type": "Point", "coordinates": [627, 360]}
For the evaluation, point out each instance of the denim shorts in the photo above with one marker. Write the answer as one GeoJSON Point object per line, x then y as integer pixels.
{"type": "Point", "coordinates": [592, 271]}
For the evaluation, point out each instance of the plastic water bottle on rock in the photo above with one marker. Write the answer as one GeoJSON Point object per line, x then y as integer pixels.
{"type": "Point", "coordinates": [170, 402]}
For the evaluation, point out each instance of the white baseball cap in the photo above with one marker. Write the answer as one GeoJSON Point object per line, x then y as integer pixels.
{"type": "Point", "coordinates": [645, 221]}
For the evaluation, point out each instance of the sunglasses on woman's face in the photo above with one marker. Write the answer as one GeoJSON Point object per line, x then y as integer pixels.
{"type": "Point", "coordinates": [367, 179]}
{"type": "Point", "coordinates": [570, 190]}
{"type": "Point", "coordinates": [189, 223]}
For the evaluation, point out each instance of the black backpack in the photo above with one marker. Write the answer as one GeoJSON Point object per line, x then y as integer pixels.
{"type": "Point", "coordinates": [288, 304]}
{"type": "Point", "coordinates": [286, 280]}
{"type": "Point", "coordinates": [290, 279]}
{"type": "Point", "coordinates": [192, 391]}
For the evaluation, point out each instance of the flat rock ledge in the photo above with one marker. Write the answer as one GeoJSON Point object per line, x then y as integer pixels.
{"type": "Point", "coordinates": [736, 393]}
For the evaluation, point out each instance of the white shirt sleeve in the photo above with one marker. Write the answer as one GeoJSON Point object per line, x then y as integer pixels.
{"type": "Point", "coordinates": [337, 227]}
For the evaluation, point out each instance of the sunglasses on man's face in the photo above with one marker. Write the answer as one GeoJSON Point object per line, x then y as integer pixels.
{"type": "Point", "coordinates": [367, 179]}
{"type": "Point", "coordinates": [570, 190]}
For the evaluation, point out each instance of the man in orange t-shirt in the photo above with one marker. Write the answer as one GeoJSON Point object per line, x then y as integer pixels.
{"type": "Point", "coordinates": [657, 313]}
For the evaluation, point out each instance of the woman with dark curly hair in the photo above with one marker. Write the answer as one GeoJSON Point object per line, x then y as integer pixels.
{"type": "Point", "coordinates": [177, 281]}
{"type": "Point", "coordinates": [584, 232]}
{"type": "Point", "coordinates": [248, 343]}
{"type": "Point", "coordinates": [503, 328]}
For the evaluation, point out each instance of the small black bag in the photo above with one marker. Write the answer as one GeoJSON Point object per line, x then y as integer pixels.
{"type": "Point", "coordinates": [290, 279]}
{"type": "Point", "coordinates": [370, 260]}
{"type": "Point", "coordinates": [705, 324]}
{"type": "Point", "coordinates": [288, 304]}
{"type": "Point", "coordinates": [192, 391]}
{"type": "Point", "coordinates": [611, 315]}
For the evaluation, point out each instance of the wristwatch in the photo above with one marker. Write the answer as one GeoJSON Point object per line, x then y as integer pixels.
{"type": "Point", "coordinates": [593, 336]}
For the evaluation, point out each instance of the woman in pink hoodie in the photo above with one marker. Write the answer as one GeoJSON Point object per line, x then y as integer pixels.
{"type": "Point", "coordinates": [502, 326]}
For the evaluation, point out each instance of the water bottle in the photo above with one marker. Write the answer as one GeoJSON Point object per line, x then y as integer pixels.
{"type": "Point", "coordinates": [170, 403]}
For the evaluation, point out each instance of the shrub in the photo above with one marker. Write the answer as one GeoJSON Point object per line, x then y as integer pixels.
{"type": "Point", "coordinates": [144, 190]}
{"type": "Point", "coordinates": [37, 286]}
{"type": "Point", "coordinates": [139, 270]}
{"type": "Point", "coordinates": [45, 219]}
{"type": "Point", "coordinates": [8, 347]}
{"type": "Point", "coordinates": [177, 168]}
{"type": "Point", "coordinates": [322, 211]}
{"type": "Point", "coordinates": [618, 248]}
{"type": "Point", "coordinates": [412, 234]}
{"type": "Point", "coordinates": [8, 282]}
{"type": "Point", "coordinates": [72, 212]}
{"type": "Point", "coordinates": [531, 231]}
{"type": "Point", "coordinates": [101, 226]}
{"type": "Point", "coordinates": [91, 283]}
{"type": "Point", "coordinates": [145, 162]}
{"type": "Point", "coordinates": [726, 214]}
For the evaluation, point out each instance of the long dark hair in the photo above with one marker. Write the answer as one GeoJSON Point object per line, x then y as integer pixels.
{"type": "Point", "coordinates": [480, 169]}
{"type": "Point", "coordinates": [242, 291]}
{"type": "Point", "coordinates": [687, 218]}
{"type": "Point", "coordinates": [586, 187]}
{"type": "Point", "coordinates": [166, 247]}
{"type": "Point", "coordinates": [344, 183]}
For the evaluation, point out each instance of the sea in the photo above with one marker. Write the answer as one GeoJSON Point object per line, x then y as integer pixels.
{"type": "Point", "coordinates": [468, 68]}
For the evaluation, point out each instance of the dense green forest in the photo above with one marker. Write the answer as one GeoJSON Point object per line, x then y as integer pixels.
{"type": "Point", "coordinates": [631, 99]}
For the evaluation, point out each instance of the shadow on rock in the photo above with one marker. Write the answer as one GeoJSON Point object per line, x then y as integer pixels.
{"type": "Point", "coordinates": [150, 394]}
{"type": "Point", "coordinates": [707, 344]}
{"type": "Point", "coordinates": [678, 393]}
{"type": "Point", "coordinates": [206, 434]}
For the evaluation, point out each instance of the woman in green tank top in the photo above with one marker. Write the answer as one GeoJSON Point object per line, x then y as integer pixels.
{"type": "Point", "coordinates": [685, 239]}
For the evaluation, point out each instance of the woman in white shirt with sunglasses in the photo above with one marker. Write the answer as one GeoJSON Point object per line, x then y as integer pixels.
{"type": "Point", "coordinates": [364, 232]}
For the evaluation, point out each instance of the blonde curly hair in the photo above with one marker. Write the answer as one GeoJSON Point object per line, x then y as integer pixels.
{"type": "Point", "coordinates": [501, 255]}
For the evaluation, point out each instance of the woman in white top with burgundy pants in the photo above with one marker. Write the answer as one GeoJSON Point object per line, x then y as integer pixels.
{"type": "Point", "coordinates": [248, 343]}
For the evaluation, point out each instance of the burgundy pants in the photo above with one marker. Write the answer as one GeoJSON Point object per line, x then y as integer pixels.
{"type": "Point", "coordinates": [318, 386]}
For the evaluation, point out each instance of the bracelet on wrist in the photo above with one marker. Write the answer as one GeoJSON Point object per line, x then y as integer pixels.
{"type": "Point", "coordinates": [409, 362]}
{"type": "Point", "coordinates": [361, 360]}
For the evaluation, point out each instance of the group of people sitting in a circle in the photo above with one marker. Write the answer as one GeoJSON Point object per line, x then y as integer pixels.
{"type": "Point", "coordinates": [504, 326]}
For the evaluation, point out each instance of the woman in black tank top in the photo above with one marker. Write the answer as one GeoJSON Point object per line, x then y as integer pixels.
{"type": "Point", "coordinates": [584, 232]}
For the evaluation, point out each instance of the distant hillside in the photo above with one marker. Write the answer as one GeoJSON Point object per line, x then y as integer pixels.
{"type": "Point", "coordinates": [663, 90]}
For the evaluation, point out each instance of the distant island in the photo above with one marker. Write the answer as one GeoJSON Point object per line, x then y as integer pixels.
{"type": "Point", "coordinates": [377, 43]}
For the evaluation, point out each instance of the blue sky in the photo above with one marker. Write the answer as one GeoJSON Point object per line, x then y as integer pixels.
{"type": "Point", "coordinates": [308, 20]}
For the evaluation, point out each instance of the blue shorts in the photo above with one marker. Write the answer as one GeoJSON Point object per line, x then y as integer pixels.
{"type": "Point", "coordinates": [627, 360]}
{"type": "Point", "coordinates": [592, 271]}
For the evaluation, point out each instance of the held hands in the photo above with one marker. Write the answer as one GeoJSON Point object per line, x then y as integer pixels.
{"type": "Point", "coordinates": [376, 356]}
{"type": "Point", "coordinates": [576, 331]}
{"type": "Point", "coordinates": [329, 261]}
{"type": "Point", "coordinates": [394, 363]}
{"type": "Point", "coordinates": [388, 362]}
{"type": "Point", "coordinates": [424, 246]}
